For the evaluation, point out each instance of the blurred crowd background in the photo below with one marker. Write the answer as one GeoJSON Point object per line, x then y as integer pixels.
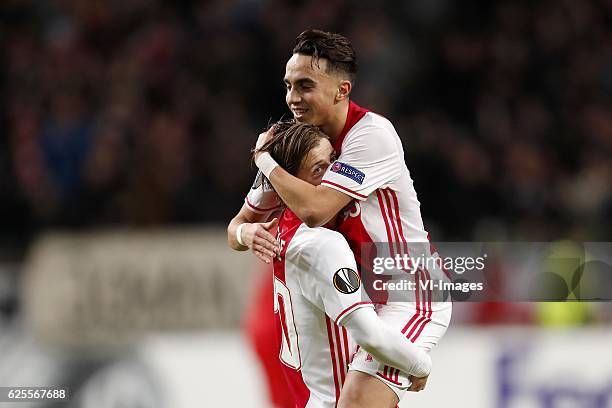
{"type": "Point", "coordinates": [143, 112]}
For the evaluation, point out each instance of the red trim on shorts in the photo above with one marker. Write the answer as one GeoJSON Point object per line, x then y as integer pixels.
{"type": "Point", "coordinates": [390, 374]}
{"type": "Point", "coordinates": [343, 188]}
{"type": "Point", "coordinates": [391, 380]}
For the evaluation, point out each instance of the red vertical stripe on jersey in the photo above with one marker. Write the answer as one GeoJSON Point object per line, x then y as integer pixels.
{"type": "Point", "coordinates": [392, 221]}
{"type": "Point", "coordinates": [420, 317]}
{"type": "Point", "coordinates": [423, 320]}
{"type": "Point", "coordinates": [341, 365]}
{"type": "Point", "coordinates": [333, 356]}
{"type": "Point", "coordinates": [424, 310]}
{"type": "Point", "coordinates": [399, 220]}
{"type": "Point", "coordinates": [430, 294]}
{"type": "Point", "coordinates": [417, 291]}
{"type": "Point", "coordinates": [428, 309]}
{"type": "Point", "coordinates": [414, 316]}
{"type": "Point", "coordinates": [419, 311]}
{"type": "Point", "coordinates": [346, 346]}
{"type": "Point", "coordinates": [425, 294]}
{"type": "Point", "coordinates": [418, 322]}
{"type": "Point", "coordinates": [384, 215]}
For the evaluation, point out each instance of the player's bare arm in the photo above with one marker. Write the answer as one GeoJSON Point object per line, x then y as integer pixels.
{"type": "Point", "coordinates": [387, 345]}
{"type": "Point", "coordinates": [254, 234]}
{"type": "Point", "coordinates": [314, 204]}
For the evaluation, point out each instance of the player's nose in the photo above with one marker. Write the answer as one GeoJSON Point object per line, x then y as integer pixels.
{"type": "Point", "coordinates": [293, 97]}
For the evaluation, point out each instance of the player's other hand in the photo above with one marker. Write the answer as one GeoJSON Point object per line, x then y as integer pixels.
{"type": "Point", "coordinates": [418, 383]}
{"type": "Point", "coordinates": [259, 237]}
{"type": "Point", "coordinates": [262, 140]}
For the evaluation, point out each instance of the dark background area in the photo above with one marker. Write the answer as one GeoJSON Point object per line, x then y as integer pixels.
{"type": "Point", "coordinates": [143, 113]}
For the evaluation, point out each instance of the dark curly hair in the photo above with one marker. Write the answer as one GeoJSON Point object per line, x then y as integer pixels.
{"type": "Point", "coordinates": [336, 48]}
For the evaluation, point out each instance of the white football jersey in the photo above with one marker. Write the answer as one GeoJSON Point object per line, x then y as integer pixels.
{"type": "Point", "coordinates": [315, 286]}
{"type": "Point", "coordinates": [371, 169]}
{"type": "Point", "coordinates": [385, 210]}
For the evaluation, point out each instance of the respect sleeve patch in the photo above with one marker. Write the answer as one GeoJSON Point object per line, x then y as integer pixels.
{"type": "Point", "coordinates": [348, 171]}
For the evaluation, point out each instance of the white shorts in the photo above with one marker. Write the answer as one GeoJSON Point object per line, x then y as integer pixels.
{"type": "Point", "coordinates": [423, 328]}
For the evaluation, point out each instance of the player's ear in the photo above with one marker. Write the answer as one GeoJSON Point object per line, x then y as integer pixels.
{"type": "Point", "coordinates": [344, 89]}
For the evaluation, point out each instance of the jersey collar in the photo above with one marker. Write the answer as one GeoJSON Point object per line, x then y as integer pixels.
{"type": "Point", "coordinates": [355, 113]}
{"type": "Point", "coordinates": [289, 218]}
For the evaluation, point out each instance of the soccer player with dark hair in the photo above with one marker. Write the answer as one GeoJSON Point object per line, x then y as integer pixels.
{"type": "Point", "coordinates": [369, 184]}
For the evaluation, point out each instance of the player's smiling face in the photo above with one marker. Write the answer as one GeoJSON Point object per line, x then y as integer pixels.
{"type": "Point", "coordinates": [316, 163]}
{"type": "Point", "coordinates": [311, 90]}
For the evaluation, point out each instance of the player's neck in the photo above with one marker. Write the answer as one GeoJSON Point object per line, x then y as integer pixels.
{"type": "Point", "coordinates": [337, 122]}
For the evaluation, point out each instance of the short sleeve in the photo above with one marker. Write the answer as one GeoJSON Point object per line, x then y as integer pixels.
{"type": "Point", "coordinates": [262, 199]}
{"type": "Point", "coordinates": [332, 281]}
{"type": "Point", "coordinates": [369, 160]}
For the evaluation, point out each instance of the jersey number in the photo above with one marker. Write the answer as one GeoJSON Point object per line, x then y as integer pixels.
{"type": "Point", "coordinates": [289, 352]}
{"type": "Point", "coordinates": [353, 211]}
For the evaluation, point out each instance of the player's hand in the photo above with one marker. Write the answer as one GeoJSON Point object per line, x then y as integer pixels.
{"type": "Point", "coordinates": [258, 237]}
{"type": "Point", "coordinates": [262, 140]}
{"type": "Point", "coordinates": [418, 383]}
